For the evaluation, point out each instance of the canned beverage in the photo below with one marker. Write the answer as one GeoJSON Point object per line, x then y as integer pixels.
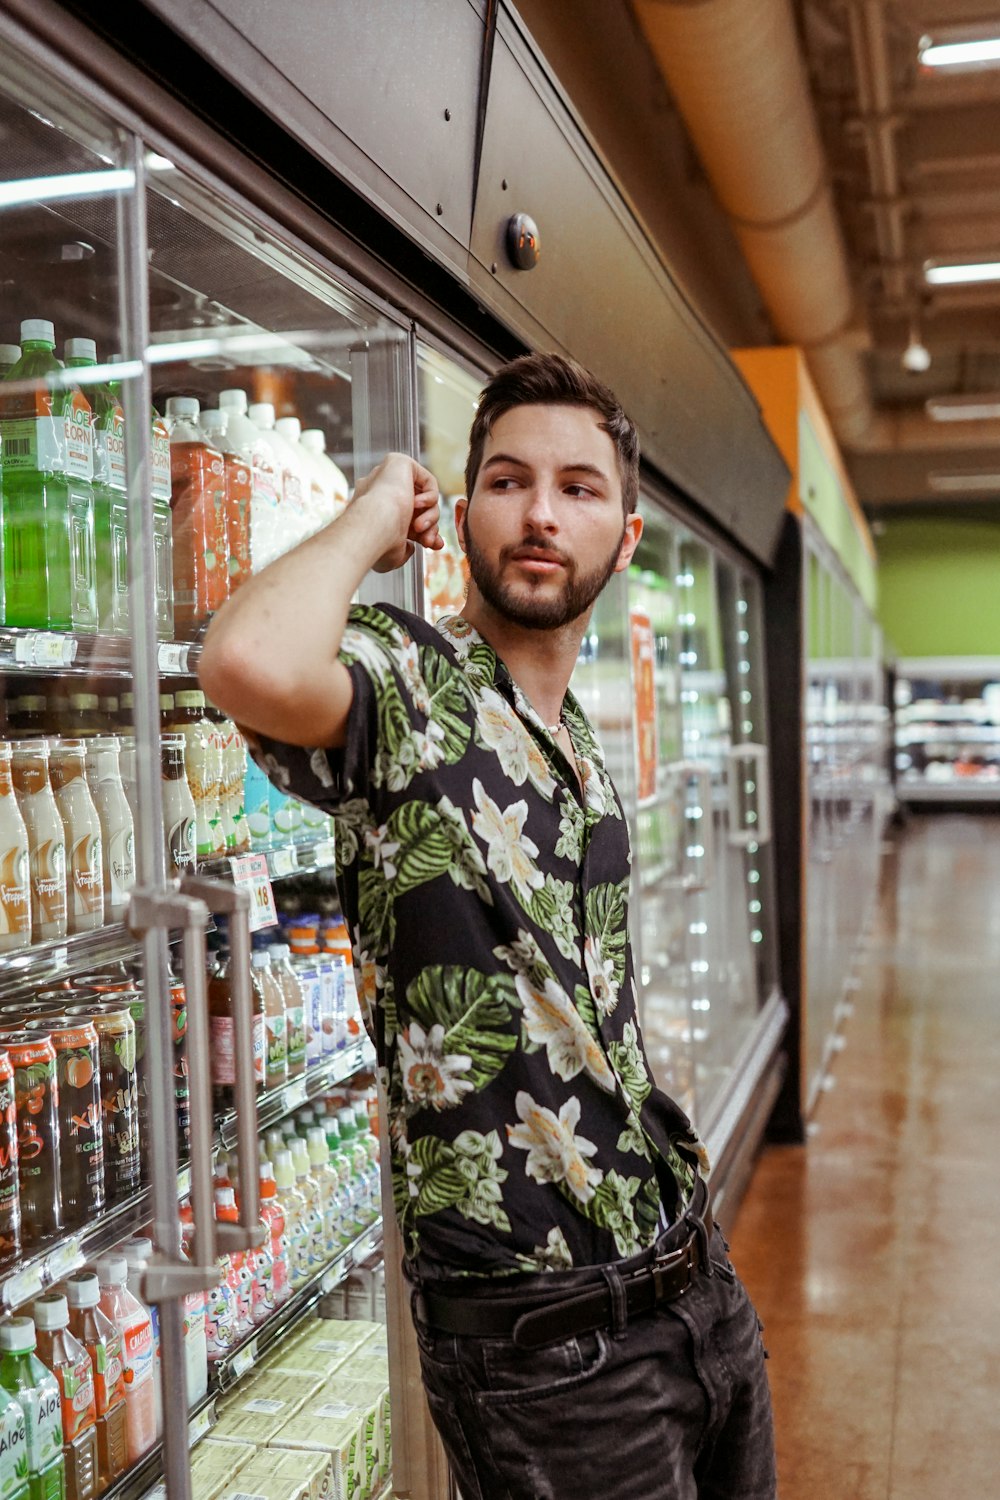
{"type": "Point", "coordinates": [106, 981]}
{"type": "Point", "coordinates": [119, 1095]}
{"type": "Point", "coordinates": [81, 1139]}
{"type": "Point", "coordinates": [10, 1193]}
{"type": "Point", "coordinates": [36, 1100]}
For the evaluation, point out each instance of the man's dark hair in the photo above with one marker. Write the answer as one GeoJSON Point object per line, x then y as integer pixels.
{"type": "Point", "coordinates": [554, 380]}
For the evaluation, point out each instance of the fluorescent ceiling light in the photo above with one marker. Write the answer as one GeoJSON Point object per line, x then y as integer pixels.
{"type": "Point", "coordinates": [70, 185]}
{"type": "Point", "coordinates": [963, 484]}
{"type": "Point", "coordinates": [979, 52]}
{"type": "Point", "coordinates": [966, 272]}
{"type": "Point", "coordinates": [982, 408]}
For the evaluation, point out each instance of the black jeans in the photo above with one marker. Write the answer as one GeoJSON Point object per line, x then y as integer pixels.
{"type": "Point", "coordinates": [674, 1406]}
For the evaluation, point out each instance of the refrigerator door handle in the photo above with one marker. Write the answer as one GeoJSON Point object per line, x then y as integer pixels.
{"type": "Point", "coordinates": [701, 772]}
{"type": "Point", "coordinates": [743, 833]}
{"type": "Point", "coordinates": [234, 903]}
{"type": "Point", "coordinates": [166, 1277]}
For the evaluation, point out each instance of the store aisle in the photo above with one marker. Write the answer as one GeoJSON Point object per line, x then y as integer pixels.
{"type": "Point", "coordinates": [872, 1253]}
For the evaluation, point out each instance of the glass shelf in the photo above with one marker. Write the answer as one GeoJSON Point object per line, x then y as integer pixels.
{"type": "Point", "coordinates": [64, 652]}
{"type": "Point", "coordinates": [25, 970]}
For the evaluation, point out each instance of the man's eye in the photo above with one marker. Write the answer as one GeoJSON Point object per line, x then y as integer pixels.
{"type": "Point", "coordinates": [503, 482]}
{"type": "Point", "coordinates": [580, 490]}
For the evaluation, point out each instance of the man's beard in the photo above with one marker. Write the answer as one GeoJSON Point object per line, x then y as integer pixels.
{"type": "Point", "coordinates": [530, 609]}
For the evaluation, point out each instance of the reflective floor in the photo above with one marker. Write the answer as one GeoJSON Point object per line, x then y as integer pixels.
{"type": "Point", "coordinates": [873, 1254]}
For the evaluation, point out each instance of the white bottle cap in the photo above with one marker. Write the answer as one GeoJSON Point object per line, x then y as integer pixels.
{"type": "Point", "coordinates": [289, 427]}
{"type": "Point", "coordinates": [213, 420]}
{"type": "Point", "coordinates": [38, 329]}
{"type": "Point", "coordinates": [17, 1335]}
{"type": "Point", "coordinates": [225, 1197]}
{"type": "Point", "coordinates": [111, 1271]}
{"type": "Point", "coordinates": [233, 400]}
{"type": "Point", "coordinates": [314, 439]}
{"type": "Point", "coordinates": [83, 1290]}
{"type": "Point", "coordinates": [80, 349]}
{"type": "Point", "coordinates": [262, 415]}
{"type": "Point", "coordinates": [51, 1311]}
{"type": "Point", "coordinates": [182, 406]}
{"type": "Point", "coordinates": [265, 1172]}
{"type": "Point", "coordinates": [260, 958]}
{"type": "Point", "coordinates": [9, 354]}
{"type": "Point", "coordinates": [137, 1251]}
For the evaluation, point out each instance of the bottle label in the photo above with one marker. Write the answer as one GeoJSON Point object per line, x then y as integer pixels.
{"type": "Point", "coordinates": [265, 483]}
{"type": "Point", "coordinates": [277, 1052]}
{"type": "Point", "coordinates": [42, 1421]}
{"type": "Point", "coordinates": [76, 1381]}
{"type": "Point", "coordinates": [48, 882]}
{"type": "Point", "coordinates": [138, 1352]}
{"type": "Point", "coordinates": [291, 491]}
{"type": "Point", "coordinates": [86, 877]}
{"type": "Point", "coordinates": [259, 1048]}
{"type": "Point", "coordinates": [109, 448]}
{"type": "Point", "coordinates": [160, 460]}
{"type": "Point", "coordinates": [15, 897]}
{"type": "Point", "coordinates": [220, 1317]}
{"type": "Point", "coordinates": [109, 1372]}
{"type": "Point", "coordinates": [121, 864]}
{"type": "Point", "coordinates": [222, 1031]}
{"type": "Point", "coordinates": [34, 443]}
{"type": "Point", "coordinates": [77, 419]}
{"type": "Point", "coordinates": [13, 1450]}
{"type": "Point", "coordinates": [296, 1035]}
{"type": "Point", "coordinates": [181, 845]}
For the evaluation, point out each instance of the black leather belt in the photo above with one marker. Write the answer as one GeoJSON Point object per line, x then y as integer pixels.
{"type": "Point", "coordinates": [538, 1318]}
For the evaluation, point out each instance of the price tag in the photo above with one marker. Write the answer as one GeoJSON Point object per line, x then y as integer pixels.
{"type": "Point", "coordinates": [184, 1182]}
{"type": "Point", "coordinates": [172, 656]}
{"type": "Point", "coordinates": [243, 1361]}
{"type": "Point", "coordinates": [334, 1276]}
{"type": "Point", "coordinates": [295, 1094]}
{"type": "Point", "coordinates": [265, 1406]}
{"type": "Point", "coordinates": [284, 861]}
{"type": "Point", "coordinates": [42, 648]}
{"type": "Point", "coordinates": [335, 1410]}
{"type": "Point", "coordinates": [250, 872]}
{"type": "Point", "coordinates": [199, 1425]}
{"type": "Point", "coordinates": [25, 1285]}
{"type": "Point", "coordinates": [62, 1261]}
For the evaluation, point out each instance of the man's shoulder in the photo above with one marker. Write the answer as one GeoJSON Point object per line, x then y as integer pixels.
{"type": "Point", "coordinates": [394, 625]}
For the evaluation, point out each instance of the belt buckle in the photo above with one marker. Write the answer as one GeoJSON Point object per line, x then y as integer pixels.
{"type": "Point", "coordinates": [665, 1263]}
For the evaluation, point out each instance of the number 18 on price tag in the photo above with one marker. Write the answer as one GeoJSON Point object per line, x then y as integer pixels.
{"type": "Point", "coordinates": [250, 872]}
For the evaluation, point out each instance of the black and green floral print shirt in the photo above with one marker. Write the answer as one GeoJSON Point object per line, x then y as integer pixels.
{"type": "Point", "coordinates": [487, 897]}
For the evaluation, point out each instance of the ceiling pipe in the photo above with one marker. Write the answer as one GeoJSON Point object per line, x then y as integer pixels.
{"type": "Point", "coordinates": [870, 51]}
{"type": "Point", "coordinates": [737, 75]}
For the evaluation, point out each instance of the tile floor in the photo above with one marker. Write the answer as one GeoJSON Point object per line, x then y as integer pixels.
{"type": "Point", "coordinates": [873, 1253]}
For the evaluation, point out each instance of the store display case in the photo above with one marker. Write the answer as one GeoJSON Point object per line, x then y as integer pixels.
{"type": "Point", "coordinates": [947, 729]}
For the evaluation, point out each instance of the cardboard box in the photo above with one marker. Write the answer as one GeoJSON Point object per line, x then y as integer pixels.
{"type": "Point", "coordinates": [342, 1440]}
{"type": "Point", "coordinates": [214, 1464]}
{"type": "Point", "coordinates": [283, 1474]}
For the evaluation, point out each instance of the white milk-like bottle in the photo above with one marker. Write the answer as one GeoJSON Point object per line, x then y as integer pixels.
{"type": "Point", "coordinates": [117, 829]}
{"type": "Point", "coordinates": [314, 442]}
{"type": "Point", "coordinates": [179, 817]}
{"type": "Point", "coordinates": [291, 489]}
{"type": "Point", "coordinates": [290, 428]}
{"type": "Point", "coordinates": [46, 838]}
{"type": "Point", "coordinates": [233, 774]}
{"type": "Point", "coordinates": [84, 843]}
{"type": "Point", "coordinates": [15, 865]}
{"type": "Point", "coordinates": [254, 445]}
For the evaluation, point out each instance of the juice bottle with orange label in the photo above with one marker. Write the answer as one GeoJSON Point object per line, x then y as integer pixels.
{"type": "Point", "coordinates": [239, 493]}
{"type": "Point", "coordinates": [69, 1362]}
{"type": "Point", "coordinates": [102, 1341]}
{"type": "Point", "coordinates": [48, 522]}
{"type": "Point", "coordinates": [198, 503]}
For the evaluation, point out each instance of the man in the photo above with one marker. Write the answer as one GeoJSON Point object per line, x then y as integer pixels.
{"type": "Point", "coordinates": [582, 1333]}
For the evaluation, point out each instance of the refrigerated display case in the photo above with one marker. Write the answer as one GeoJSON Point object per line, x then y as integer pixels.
{"type": "Point", "coordinates": [947, 730]}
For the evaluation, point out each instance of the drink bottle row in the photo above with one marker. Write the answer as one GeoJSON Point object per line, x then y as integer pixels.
{"type": "Point", "coordinates": [74, 1120]}
{"type": "Point", "coordinates": [81, 1396]}
{"type": "Point", "coordinates": [231, 489]}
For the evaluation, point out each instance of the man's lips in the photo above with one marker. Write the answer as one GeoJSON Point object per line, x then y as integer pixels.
{"type": "Point", "coordinates": [537, 559]}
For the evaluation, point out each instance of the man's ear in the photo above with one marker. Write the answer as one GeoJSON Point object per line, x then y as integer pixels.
{"type": "Point", "coordinates": [633, 531]}
{"type": "Point", "coordinates": [461, 508]}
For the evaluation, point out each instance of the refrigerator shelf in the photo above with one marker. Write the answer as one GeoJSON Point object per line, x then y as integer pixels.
{"type": "Point", "coordinates": [65, 652]}
{"type": "Point", "coordinates": [28, 969]}
{"type": "Point", "coordinates": [290, 859]}
{"type": "Point", "coordinates": [143, 1481]}
{"type": "Point", "coordinates": [226, 1372]}
{"type": "Point", "coordinates": [275, 1104]}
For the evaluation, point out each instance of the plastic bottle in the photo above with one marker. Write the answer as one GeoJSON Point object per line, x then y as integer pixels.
{"type": "Point", "coordinates": [13, 1448]}
{"type": "Point", "coordinates": [296, 1220]}
{"type": "Point", "coordinates": [239, 495]}
{"type": "Point", "coordinates": [291, 480]}
{"type": "Point", "coordinates": [117, 829]}
{"type": "Point", "coordinates": [272, 1211]}
{"type": "Point", "coordinates": [48, 521]}
{"type": "Point", "coordinates": [137, 1252]}
{"type": "Point", "coordinates": [195, 1337]}
{"type": "Point", "coordinates": [310, 513]}
{"type": "Point", "coordinates": [239, 1275]}
{"type": "Point", "coordinates": [9, 356]}
{"type": "Point", "coordinates": [84, 844]}
{"type": "Point", "coordinates": [63, 1354]}
{"type": "Point", "coordinates": [336, 490]}
{"type": "Point", "coordinates": [109, 487]}
{"type": "Point", "coordinates": [295, 1018]}
{"type": "Point", "coordinates": [198, 504]}
{"type": "Point", "coordinates": [135, 1330]}
{"type": "Point", "coordinates": [233, 775]}
{"type": "Point", "coordinates": [102, 1341]}
{"type": "Point", "coordinates": [308, 1185]}
{"type": "Point", "coordinates": [246, 439]}
{"type": "Point", "coordinates": [15, 864]}
{"type": "Point", "coordinates": [360, 1165]}
{"type": "Point", "coordinates": [223, 1036]}
{"type": "Point", "coordinates": [260, 1260]}
{"type": "Point", "coordinates": [37, 1392]}
{"type": "Point", "coordinates": [331, 1198]}
{"type": "Point", "coordinates": [220, 1315]}
{"type": "Point", "coordinates": [275, 1019]}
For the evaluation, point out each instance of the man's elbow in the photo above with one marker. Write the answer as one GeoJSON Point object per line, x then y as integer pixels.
{"type": "Point", "coordinates": [229, 676]}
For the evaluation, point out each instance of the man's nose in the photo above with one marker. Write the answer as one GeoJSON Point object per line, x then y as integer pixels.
{"type": "Point", "coordinates": [541, 514]}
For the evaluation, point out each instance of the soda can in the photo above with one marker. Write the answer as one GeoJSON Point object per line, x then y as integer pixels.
{"type": "Point", "coordinates": [107, 981]}
{"type": "Point", "coordinates": [81, 1138]}
{"type": "Point", "coordinates": [119, 1095]}
{"type": "Point", "coordinates": [36, 1100]}
{"type": "Point", "coordinates": [10, 1192]}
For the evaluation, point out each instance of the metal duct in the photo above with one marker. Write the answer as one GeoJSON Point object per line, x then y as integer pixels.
{"type": "Point", "coordinates": [735, 70]}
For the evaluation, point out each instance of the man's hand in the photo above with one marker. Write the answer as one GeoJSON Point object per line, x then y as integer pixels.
{"type": "Point", "coordinates": [400, 500]}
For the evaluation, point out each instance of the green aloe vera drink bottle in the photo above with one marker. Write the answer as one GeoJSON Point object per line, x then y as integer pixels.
{"type": "Point", "coordinates": [110, 520]}
{"type": "Point", "coordinates": [48, 522]}
{"type": "Point", "coordinates": [36, 1391]}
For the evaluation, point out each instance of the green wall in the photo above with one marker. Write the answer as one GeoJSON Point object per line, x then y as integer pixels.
{"type": "Point", "coordinates": [939, 584]}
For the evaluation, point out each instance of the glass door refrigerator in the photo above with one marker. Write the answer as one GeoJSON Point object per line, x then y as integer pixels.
{"type": "Point", "coordinates": [189, 1165]}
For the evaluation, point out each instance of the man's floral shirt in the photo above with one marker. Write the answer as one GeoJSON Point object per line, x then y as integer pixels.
{"type": "Point", "coordinates": [487, 897]}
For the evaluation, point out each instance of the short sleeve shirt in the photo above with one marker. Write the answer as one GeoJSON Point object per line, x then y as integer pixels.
{"type": "Point", "coordinates": [486, 892]}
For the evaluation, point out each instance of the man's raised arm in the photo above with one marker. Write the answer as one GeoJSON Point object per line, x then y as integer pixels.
{"type": "Point", "coordinates": [270, 656]}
